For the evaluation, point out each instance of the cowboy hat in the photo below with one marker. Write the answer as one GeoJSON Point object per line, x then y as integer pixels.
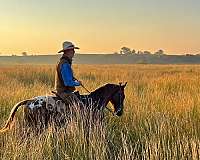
{"type": "Point", "coordinates": [68, 45]}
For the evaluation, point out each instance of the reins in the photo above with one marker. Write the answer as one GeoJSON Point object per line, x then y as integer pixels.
{"type": "Point", "coordinates": [85, 88]}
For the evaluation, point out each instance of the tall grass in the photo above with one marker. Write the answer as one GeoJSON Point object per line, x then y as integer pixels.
{"type": "Point", "coordinates": [160, 121]}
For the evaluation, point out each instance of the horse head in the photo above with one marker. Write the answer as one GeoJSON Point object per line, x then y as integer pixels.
{"type": "Point", "coordinates": [110, 93]}
{"type": "Point", "coordinates": [117, 99]}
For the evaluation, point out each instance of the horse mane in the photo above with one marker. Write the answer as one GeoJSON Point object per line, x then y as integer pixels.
{"type": "Point", "coordinates": [100, 91]}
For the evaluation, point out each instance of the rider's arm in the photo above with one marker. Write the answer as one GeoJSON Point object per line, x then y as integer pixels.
{"type": "Point", "coordinates": [67, 75]}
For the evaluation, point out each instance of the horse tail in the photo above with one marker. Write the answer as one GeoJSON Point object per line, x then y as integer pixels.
{"type": "Point", "coordinates": [12, 115]}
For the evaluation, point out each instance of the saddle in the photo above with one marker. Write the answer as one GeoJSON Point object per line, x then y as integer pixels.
{"type": "Point", "coordinates": [60, 98]}
{"type": "Point", "coordinates": [83, 98]}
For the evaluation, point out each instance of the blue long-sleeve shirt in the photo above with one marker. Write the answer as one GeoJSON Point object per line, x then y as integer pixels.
{"type": "Point", "coordinates": [67, 75]}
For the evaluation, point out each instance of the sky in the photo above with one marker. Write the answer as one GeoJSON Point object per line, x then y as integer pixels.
{"type": "Point", "coordinates": [99, 26]}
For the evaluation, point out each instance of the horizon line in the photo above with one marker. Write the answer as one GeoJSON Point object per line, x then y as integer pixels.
{"type": "Point", "coordinates": [93, 53]}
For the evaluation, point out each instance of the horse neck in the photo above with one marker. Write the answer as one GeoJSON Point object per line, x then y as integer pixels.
{"type": "Point", "coordinates": [101, 96]}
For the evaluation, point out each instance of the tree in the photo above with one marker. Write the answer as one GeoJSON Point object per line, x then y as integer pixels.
{"type": "Point", "coordinates": [160, 52]}
{"type": "Point", "coordinates": [147, 52]}
{"type": "Point", "coordinates": [140, 52]}
{"type": "Point", "coordinates": [189, 54]}
{"type": "Point", "coordinates": [198, 54]}
{"type": "Point", "coordinates": [24, 54]}
{"type": "Point", "coordinates": [115, 53]}
{"type": "Point", "coordinates": [133, 51]}
{"type": "Point", "coordinates": [125, 50]}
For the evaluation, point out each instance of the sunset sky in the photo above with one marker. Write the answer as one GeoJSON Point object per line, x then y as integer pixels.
{"type": "Point", "coordinates": [99, 26]}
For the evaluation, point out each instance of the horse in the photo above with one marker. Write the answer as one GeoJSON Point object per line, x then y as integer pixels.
{"type": "Point", "coordinates": [40, 110]}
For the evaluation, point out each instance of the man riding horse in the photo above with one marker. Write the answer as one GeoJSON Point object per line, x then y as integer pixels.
{"type": "Point", "coordinates": [40, 111]}
{"type": "Point", "coordinates": [65, 82]}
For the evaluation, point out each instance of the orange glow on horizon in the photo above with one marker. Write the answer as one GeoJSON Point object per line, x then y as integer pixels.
{"type": "Point", "coordinates": [33, 27]}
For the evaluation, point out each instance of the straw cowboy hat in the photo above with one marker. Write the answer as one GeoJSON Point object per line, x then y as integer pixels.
{"type": "Point", "coordinates": [68, 45]}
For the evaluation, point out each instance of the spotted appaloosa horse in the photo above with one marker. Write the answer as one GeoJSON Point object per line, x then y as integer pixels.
{"type": "Point", "coordinates": [40, 111]}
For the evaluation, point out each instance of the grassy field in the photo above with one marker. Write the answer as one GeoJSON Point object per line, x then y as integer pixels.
{"type": "Point", "coordinates": [160, 121]}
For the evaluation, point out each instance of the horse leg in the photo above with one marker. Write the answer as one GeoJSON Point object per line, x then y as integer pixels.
{"type": "Point", "coordinates": [36, 120]}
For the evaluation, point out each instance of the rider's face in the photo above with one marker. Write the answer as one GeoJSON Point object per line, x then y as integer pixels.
{"type": "Point", "coordinates": [69, 53]}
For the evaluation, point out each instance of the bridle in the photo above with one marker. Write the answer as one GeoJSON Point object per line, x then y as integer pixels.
{"type": "Point", "coordinates": [120, 96]}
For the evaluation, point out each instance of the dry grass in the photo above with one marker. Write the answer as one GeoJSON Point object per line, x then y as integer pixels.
{"type": "Point", "coordinates": [161, 118]}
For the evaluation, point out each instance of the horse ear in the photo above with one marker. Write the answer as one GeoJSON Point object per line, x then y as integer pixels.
{"type": "Point", "coordinates": [124, 85]}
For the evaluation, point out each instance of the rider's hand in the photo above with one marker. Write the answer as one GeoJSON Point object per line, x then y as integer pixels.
{"type": "Point", "coordinates": [80, 82]}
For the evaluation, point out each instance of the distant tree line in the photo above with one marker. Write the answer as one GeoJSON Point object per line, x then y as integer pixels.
{"type": "Point", "coordinates": [124, 51]}
{"type": "Point", "coordinates": [24, 54]}
{"type": "Point", "coordinates": [128, 51]}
